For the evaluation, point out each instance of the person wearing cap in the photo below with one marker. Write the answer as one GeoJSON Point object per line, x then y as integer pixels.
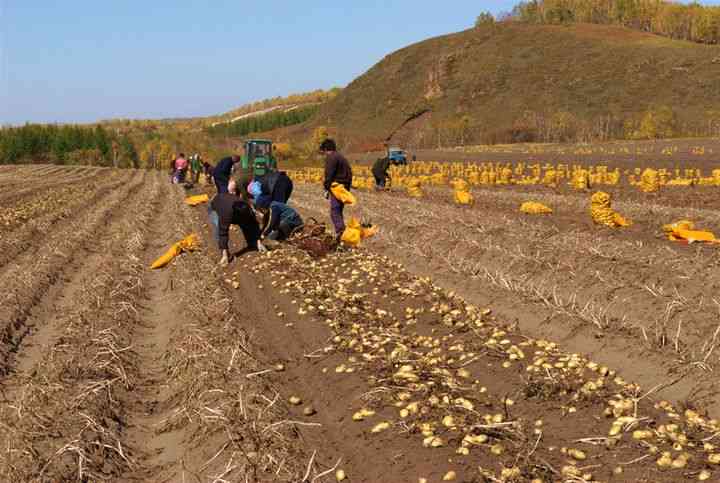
{"type": "Point", "coordinates": [337, 170]}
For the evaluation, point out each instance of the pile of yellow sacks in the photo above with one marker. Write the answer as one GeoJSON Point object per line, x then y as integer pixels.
{"type": "Point", "coordinates": [684, 231]}
{"type": "Point", "coordinates": [461, 192]}
{"type": "Point", "coordinates": [535, 208]}
{"type": "Point", "coordinates": [355, 232]}
{"type": "Point", "coordinates": [603, 214]}
{"type": "Point", "coordinates": [187, 244]}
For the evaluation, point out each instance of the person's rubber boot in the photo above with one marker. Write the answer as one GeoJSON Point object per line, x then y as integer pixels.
{"type": "Point", "coordinates": [224, 260]}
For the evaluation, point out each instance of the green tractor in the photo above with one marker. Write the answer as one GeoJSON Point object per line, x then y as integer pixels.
{"type": "Point", "coordinates": [256, 162]}
{"type": "Point", "coordinates": [258, 159]}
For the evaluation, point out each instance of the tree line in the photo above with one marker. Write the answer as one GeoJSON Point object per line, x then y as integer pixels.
{"type": "Point", "coordinates": [692, 22]}
{"type": "Point", "coordinates": [264, 122]}
{"type": "Point", "coordinates": [66, 144]}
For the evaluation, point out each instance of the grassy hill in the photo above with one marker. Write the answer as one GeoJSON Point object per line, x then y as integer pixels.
{"type": "Point", "coordinates": [518, 82]}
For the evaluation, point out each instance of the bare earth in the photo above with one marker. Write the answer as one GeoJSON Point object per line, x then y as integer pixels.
{"type": "Point", "coordinates": [478, 341]}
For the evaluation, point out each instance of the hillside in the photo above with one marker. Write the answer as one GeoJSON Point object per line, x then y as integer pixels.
{"type": "Point", "coordinates": [518, 82]}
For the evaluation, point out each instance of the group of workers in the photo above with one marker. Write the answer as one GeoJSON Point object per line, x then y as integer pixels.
{"type": "Point", "coordinates": [258, 205]}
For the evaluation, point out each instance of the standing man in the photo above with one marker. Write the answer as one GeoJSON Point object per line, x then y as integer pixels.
{"type": "Point", "coordinates": [223, 171]}
{"type": "Point", "coordinates": [337, 170]}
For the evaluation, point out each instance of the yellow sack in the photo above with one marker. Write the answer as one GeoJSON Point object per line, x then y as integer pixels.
{"type": "Point", "coordinates": [603, 214]}
{"type": "Point", "coordinates": [535, 208]}
{"type": "Point", "coordinates": [352, 234]}
{"type": "Point", "coordinates": [649, 181]}
{"type": "Point", "coordinates": [355, 232]}
{"type": "Point", "coordinates": [341, 193]}
{"type": "Point", "coordinates": [197, 199]}
{"type": "Point", "coordinates": [413, 188]}
{"type": "Point", "coordinates": [550, 178]}
{"type": "Point", "coordinates": [580, 180]}
{"type": "Point", "coordinates": [462, 195]}
{"type": "Point", "coordinates": [463, 198]}
{"type": "Point", "coordinates": [187, 244]}
{"type": "Point", "coordinates": [684, 231]}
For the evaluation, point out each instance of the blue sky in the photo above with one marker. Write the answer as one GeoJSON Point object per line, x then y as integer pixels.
{"type": "Point", "coordinates": [83, 60]}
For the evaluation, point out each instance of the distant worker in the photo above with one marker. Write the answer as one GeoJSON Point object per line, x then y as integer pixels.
{"type": "Point", "coordinates": [196, 167]}
{"type": "Point", "coordinates": [337, 170]}
{"type": "Point", "coordinates": [281, 220]}
{"type": "Point", "coordinates": [380, 172]}
{"type": "Point", "coordinates": [229, 209]}
{"type": "Point", "coordinates": [181, 165]}
{"type": "Point", "coordinates": [223, 172]}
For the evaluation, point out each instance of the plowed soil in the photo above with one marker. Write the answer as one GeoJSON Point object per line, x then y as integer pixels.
{"type": "Point", "coordinates": [459, 344]}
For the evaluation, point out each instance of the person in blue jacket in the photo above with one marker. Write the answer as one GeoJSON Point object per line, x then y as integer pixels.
{"type": "Point", "coordinates": [280, 219]}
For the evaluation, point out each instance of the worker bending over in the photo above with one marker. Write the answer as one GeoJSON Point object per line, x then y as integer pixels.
{"type": "Point", "coordinates": [223, 172]}
{"type": "Point", "coordinates": [229, 209]}
{"type": "Point", "coordinates": [337, 170]}
{"type": "Point", "coordinates": [277, 185]}
{"type": "Point", "coordinates": [280, 220]}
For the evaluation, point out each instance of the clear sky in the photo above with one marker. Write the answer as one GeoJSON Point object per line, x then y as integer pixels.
{"type": "Point", "coordinates": [85, 60]}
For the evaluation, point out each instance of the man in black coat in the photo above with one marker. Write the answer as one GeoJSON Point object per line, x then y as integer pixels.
{"type": "Point", "coordinates": [337, 170]}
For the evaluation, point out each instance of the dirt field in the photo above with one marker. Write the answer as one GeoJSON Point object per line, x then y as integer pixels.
{"type": "Point", "coordinates": [459, 344]}
{"type": "Point", "coordinates": [696, 152]}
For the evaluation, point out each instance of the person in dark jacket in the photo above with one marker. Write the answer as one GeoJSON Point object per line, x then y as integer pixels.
{"type": "Point", "coordinates": [337, 170]}
{"type": "Point", "coordinates": [278, 185]}
{"type": "Point", "coordinates": [223, 172]}
{"type": "Point", "coordinates": [380, 172]}
{"type": "Point", "coordinates": [229, 209]}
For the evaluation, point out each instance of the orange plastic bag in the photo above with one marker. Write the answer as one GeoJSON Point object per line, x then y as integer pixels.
{"type": "Point", "coordinates": [683, 231]}
{"type": "Point", "coordinates": [197, 199]}
{"type": "Point", "coordinates": [187, 244]}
